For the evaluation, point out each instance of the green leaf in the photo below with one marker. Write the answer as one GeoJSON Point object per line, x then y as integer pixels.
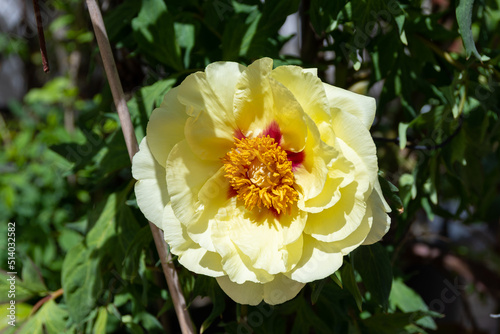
{"type": "Point", "coordinates": [317, 287]}
{"type": "Point", "coordinates": [81, 281]}
{"type": "Point", "coordinates": [131, 260]}
{"type": "Point", "coordinates": [101, 321]}
{"type": "Point", "coordinates": [336, 278]}
{"type": "Point", "coordinates": [32, 278]}
{"type": "Point", "coordinates": [23, 311]}
{"type": "Point", "coordinates": [185, 35]}
{"type": "Point", "coordinates": [402, 134]}
{"type": "Point", "coordinates": [207, 286]}
{"type": "Point", "coordinates": [349, 281]}
{"type": "Point", "coordinates": [390, 191]}
{"type": "Point", "coordinates": [464, 19]}
{"type": "Point", "coordinates": [387, 323]}
{"type": "Point", "coordinates": [50, 318]}
{"type": "Point", "coordinates": [22, 291]}
{"type": "Point", "coordinates": [408, 300]}
{"type": "Point", "coordinates": [154, 32]}
{"type": "Point", "coordinates": [374, 266]}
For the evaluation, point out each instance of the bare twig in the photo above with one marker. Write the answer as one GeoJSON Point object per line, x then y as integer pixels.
{"type": "Point", "coordinates": [41, 36]}
{"type": "Point", "coordinates": [174, 286]}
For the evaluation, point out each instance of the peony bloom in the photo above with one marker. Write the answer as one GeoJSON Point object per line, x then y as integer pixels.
{"type": "Point", "coordinates": [261, 178]}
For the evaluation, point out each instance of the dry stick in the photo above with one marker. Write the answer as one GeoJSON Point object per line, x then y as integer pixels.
{"type": "Point", "coordinates": [128, 132]}
{"type": "Point", "coordinates": [41, 36]}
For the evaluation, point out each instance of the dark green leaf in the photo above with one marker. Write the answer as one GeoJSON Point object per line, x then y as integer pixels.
{"type": "Point", "coordinates": [408, 300]}
{"type": "Point", "coordinates": [81, 281]}
{"type": "Point", "coordinates": [374, 266]}
{"type": "Point", "coordinates": [154, 32]}
{"type": "Point", "coordinates": [349, 281]}
{"type": "Point", "coordinates": [464, 19]}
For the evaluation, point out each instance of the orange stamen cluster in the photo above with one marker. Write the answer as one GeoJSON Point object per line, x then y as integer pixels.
{"type": "Point", "coordinates": [260, 173]}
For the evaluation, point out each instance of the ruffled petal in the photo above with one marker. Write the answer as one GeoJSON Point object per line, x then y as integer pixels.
{"type": "Point", "coordinates": [186, 174]}
{"type": "Point", "coordinates": [261, 101]}
{"type": "Point", "coordinates": [339, 221]}
{"type": "Point", "coordinates": [319, 260]}
{"type": "Point", "coordinates": [308, 89]}
{"type": "Point", "coordinates": [340, 174]}
{"type": "Point", "coordinates": [213, 195]}
{"type": "Point", "coordinates": [223, 77]}
{"type": "Point", "coordinates": [264, 239]}
{"type": "Point", "coordinates": [211, 127]}
{"type": "Point", "coordinates": [166, 126]}
{"type": "Point", "coordinates": [151, 188]}
{"type": "Point", "coordinates": [361, 106]}
{"type": "Point", "coordinates": [190, 254]}
{"type": "Point", "coordinates": [381, 220]}
{"type": "Point", "coordinates": [248, 293]}
{"type": "Point", "coordinates": [278, 291]}
{"type": "Point", "coordinates": [357, 146]}
{"type": "Point", "coordinates": [281, 289]}
{"type": "Point", "coordinates": [312, 173]}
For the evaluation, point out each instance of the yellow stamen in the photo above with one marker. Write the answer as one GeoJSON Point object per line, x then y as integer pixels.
{"type": "Point", "coordinates": [260, 173]}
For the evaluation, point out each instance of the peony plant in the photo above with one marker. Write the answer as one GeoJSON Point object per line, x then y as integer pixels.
{"type": "Point", "coordinates": [262, 178]}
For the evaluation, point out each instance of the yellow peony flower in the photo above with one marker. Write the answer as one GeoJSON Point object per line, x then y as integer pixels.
{"type": "Point", "coordinates": [261, 178]}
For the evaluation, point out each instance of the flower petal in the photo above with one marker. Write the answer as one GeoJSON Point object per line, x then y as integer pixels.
{"type": "Point", "coordinates": [190, 255]}
{"type": "Point", "coordinates": [186, 174]}
{"type": "Point", "coordinates": [213, 196]}
{"type": "Point", "coordinates": [312, 173]}
{"type": "Point", "coordinates": [262, 237]}
{"type": "Point", "coordinates": [210, 129]}
{"type": "Point", "coordinates": [281, 289]}
{"type": "Point", "coordinates": [151, 188]}
{"type": "Point", "coordinates": [339, 221]}
{"type": "Point", "coordinates": [166, 126]}
{"type": "Point", "coordinates": [357, 146]}
{"type": "Point", "coordinates": [261, 101]}
{"type": "Point", "coordinates": [361, 106]}
{"type": "Point", "coordinates": [319, 260]}
{"type": "Point", "coordinates": [308, 89]}
{"type": "Point", "coordinates": [381, 220]}
{"type": "Point", "coordinates": [248, 293]}
{"type": "Point", "coordinates": [223, 77]}
{"type": "Point", "coordinates": [340, 174]}
{"type": "Point", "coordinates": [278, 291]}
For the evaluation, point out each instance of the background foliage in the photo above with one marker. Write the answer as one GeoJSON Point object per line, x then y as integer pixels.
{"type": "Point", "coordinates": [85, 256]}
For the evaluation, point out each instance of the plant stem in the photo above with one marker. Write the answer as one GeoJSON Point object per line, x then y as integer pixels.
{"type": "Point", "coordinates": [41, 36]}
{"type": "Point", "coordinates": [173, 283]}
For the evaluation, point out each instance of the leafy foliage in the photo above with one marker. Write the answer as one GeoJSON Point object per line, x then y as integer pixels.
{"type": "Point", "coordinates": [65, 173]}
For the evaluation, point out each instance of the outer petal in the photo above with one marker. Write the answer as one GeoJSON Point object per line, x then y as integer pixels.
{"type": "Point", "coordinates": [356, 145]}
{"type": "Point", "coordinates": [267, 242]}
{"type": "Point", "coordinates": [210, 129]}
{"type": "Point", "coordinates": [249, 293]}
{"type": "Point", "coordinates": [278, 291]}
{"type": "Point", "coordinates": [381, 220]}
{"type": "Point", "coordinates": [308, 89]}
{"type": "Point", "coordinates": [191, 255]}
{"type": "Point", "coordinates": [223, 77]}
{"type": "Point", "coordinates": [318, 261]}
{"type": "Point", "coordinates": [166, 126]}
{"type": "Point", "coordinates": [151, 187]}
{"type": "Point", "coordinates": [186, 174]}
{"type": "Point", "coordinates": [260, 101]}
{"type": "Point", "coordinates": [361, 106]}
